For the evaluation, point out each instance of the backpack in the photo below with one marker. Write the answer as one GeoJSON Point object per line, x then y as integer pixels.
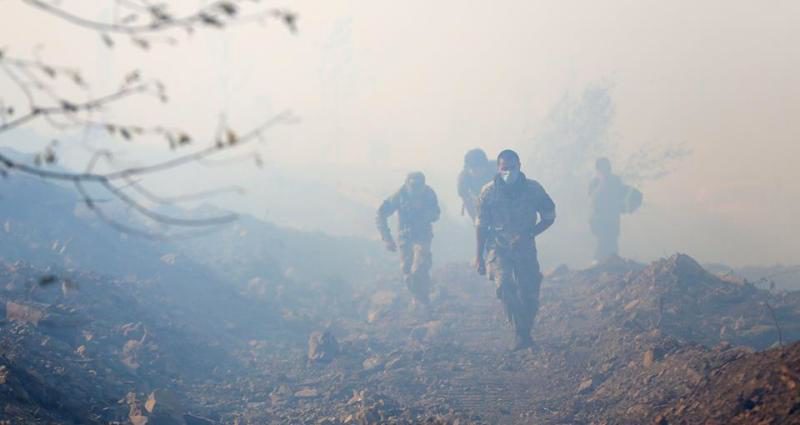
{"type": "Point", "coordinates": [632, 200]}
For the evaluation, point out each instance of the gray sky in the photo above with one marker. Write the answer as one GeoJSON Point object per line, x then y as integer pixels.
{"type": "Point", "coordinates": [383, 88]}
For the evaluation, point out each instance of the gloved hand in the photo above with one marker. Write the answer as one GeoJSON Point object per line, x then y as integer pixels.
{"type": "Point", "coordinates": [480, 265]}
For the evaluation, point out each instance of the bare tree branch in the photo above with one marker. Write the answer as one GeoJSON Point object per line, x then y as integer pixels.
{"type": "Point", "coordinates": [147, 169]}
{"type": "Point", "coordinates": [36, 81]}
{"type": "Point", "coordinates": [106, 180]}
{"type": "Point", "coordinates": [164, 219]}
{"type": "Point", "coordinates": [123, 228]}
{"type": "Point", "coordinates": [217, 14]}
{"type": "Point", "coordinates": [71, 108]}
{"type": "Point", "coordinates": [200, 222]}
{"type": "Point", "coordinates": [775, 320]}
{"type": "Point", "coordinates": [172, 200]}
{"type": "Point", "coordinates": [247, 138]}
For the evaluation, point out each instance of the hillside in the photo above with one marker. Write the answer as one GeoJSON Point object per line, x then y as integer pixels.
{"type": "Point", "coordinates": [103, 329]}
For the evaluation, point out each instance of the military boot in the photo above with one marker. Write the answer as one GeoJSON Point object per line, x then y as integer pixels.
{"type": "Point", "coordinates": [522, 339]}
{"type": "Point", "coordinates": [420, 310]}
{"type": "Point", "coordinates": [522, 342]}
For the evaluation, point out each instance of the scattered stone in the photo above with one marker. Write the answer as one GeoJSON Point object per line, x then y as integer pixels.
{"type": "Point", "coordinates": [585, 386]}
{"type": "Point", "coordinates": [322, 347]}
{"type": "Point", "coordinates": [24, 313]}
{"type": "Point", "coordinates": [164, 408]}
{"type": "Point", "coordinates": [307, 393]}
{"type": "Point", "coordinates": [373, 363]}
{"type": "Point", "coordinates": [197, 420]}
{"type": "Point", "coordinates": [649, 358]}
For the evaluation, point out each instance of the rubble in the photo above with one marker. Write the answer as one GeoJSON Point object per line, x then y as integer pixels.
{"type": "Point", "coordinates": [322, 347]}
{"type": "Point", "coordinates": [665, 343]}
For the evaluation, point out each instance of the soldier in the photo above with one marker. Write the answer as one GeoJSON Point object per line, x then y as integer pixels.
{"type": "Point", "coordinates": [478, 171]}
{"type": "Point", "coordinates": [506, 227]}
{"type": "Point", "coordinates": [610, 198]}
{"type": "Point", "coordinates": [417, 208]}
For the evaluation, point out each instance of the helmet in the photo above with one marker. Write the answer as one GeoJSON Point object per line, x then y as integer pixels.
{"type": "Point", "coordinates": [475, 158]}
{"type": "Point", "coordinates": [603, 165]}
{"type": "Point", "coordinates": [415, 178]}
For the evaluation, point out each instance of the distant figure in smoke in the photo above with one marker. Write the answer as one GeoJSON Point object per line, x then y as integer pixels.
{"type": "Point", "coordinates": [478, 171]}
{"type": "Point", "coordinates": [417, 209]}
{"type": "Point", "coordinates": [610, 198]}
{"type": "Point", "coordinates": [512, 211]}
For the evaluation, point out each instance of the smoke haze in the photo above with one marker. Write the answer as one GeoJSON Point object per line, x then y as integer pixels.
{"type": "Point", "coordinates": [695, 104]}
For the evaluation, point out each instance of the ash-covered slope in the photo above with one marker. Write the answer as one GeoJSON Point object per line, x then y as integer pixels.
{"type": "Point", "coordinates": [623, 342]}
{"type": "Point", "coordinates": [681, 299]}
{"type": "Point", "coordinates": [72, 345]}
{"type": "Point", "coordinates": [610, 352]}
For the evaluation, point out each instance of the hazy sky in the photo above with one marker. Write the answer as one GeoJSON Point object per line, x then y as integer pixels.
{"type": "Point", "coordinates": [383, 88]}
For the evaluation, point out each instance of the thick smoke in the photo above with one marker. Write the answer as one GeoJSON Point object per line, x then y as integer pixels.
{"type": "Point", "coordinates": [577, 131]}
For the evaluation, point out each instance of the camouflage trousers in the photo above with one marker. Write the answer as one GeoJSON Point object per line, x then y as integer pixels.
{"type": "Point", "coordinates": [417, 261]}
{"type": "Point", "coordinates": [606, 231]}
{"type": "Point", "coordinates": [518, 279]}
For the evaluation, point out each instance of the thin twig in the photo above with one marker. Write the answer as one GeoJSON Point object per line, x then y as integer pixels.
{"type": "Point", "coordinates": [209, 15]}
{"type": "Point", "coordinates": [71, 108]}
{"type": "Point", "coordinates": [146, 169]}
{"type": "Point", "coordinates": [775, 320]}
{"type": "Point", "coordinates": [171, 200]}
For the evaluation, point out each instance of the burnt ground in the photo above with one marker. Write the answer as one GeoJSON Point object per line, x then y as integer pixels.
{"type": "Point", "coordinates": [623, 342]}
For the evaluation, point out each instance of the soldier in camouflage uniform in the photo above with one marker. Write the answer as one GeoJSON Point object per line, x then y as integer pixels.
{"type": "Point", "coordinates": [478, 171]}
{"type": "Point", "coordinates": [610, 198]}
{"type": "Point", "coordinates": [417, 208]}
{"type": "Point", "coordinates": [512, 211]}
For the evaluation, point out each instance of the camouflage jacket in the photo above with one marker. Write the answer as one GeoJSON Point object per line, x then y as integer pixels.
{"type": "Point", "coordinates": [607, 196]}
{"type": "Point", "coordinates": [469, 186]}
{"type": "Point", "coordinates": [510, 212]}
{"type": "Point", "coordinates": [415, 214]}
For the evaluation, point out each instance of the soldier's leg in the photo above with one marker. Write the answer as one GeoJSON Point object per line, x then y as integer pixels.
{"type": "Point", "coordinates": [607, 233]}
{"type": "Point", "coordinates": [613, 237]}
{"type": "Point", "coordinates": [596, 226]}
{"type": "Point", "coordinates": [502, 272]}
{"type": "Point", "coordinates": [407, 260]}
{"type": "Point", "coordinates": [421, 271]}
{"type": "Point", "coordinates": [529, 280]}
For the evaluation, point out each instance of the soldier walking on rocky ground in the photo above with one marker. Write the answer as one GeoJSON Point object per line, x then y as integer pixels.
{"type": "Point", "coordinates": [417, 209]}
{"type": "Point", "coordinates": [512, 211]}
{"type": "Point", "coordinates": [610, 198]}
{"type": "Point", "coordinates": [478, 171]}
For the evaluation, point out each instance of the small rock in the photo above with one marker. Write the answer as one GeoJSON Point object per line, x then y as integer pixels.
{"type": "Point", "coordinates": [281, 395]}
{"type": "Point", "coordinates": [307, 393]}
{"type": "Point", "coordinates": [631, 305]}
{"type": "Point", "coordinates": [197, 420]}
{"type": "Point", "coordinates": [372, 363]}
{"type": "Point", "coordinates": [164, 408]}
{"type": "Point", "coordinates": [649, 358]}
{"type": "Point", "coordinates": [322, 347]}
{"type": "Point", "coordinates": [585, 386]}
{"type": "Point", "coordinates": [660, 420]}
{"type": "Point", "coordinates": [427, 332]}
{"type": "Point", "coordinates": [380, 304]}
{"type": "Point", "coordinates": [23, 313]}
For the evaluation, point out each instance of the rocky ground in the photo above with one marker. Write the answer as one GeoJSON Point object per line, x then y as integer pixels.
{"type": "Point", "coordinates": [663, 343]}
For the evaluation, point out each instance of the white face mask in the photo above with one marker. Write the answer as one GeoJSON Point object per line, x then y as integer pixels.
{"type": "Point", "coordinates": [415, 187]}
{"type": "Point", "coordinates": [509, 176]}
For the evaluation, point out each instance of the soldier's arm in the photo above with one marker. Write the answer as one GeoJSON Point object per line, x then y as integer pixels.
{"type": "Point", "coordinates": [469, 208]}
{"type": "Point", "coordinates": [481, 236]}
{"type": "Point", "coordinates": [547, 213]}
{"type": "Point", "coordinates": [435, 211]}
{"type": "Point", "coordinates": [387, 208]}
{"type": "Point", "coordinates": [593, 185]}
{"type": "Point", "coordinates": [481, 232]}
{"type": "Point", "coordinates": [463, 190]}
{"type": "Point", "coordinates": [463, 193]}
